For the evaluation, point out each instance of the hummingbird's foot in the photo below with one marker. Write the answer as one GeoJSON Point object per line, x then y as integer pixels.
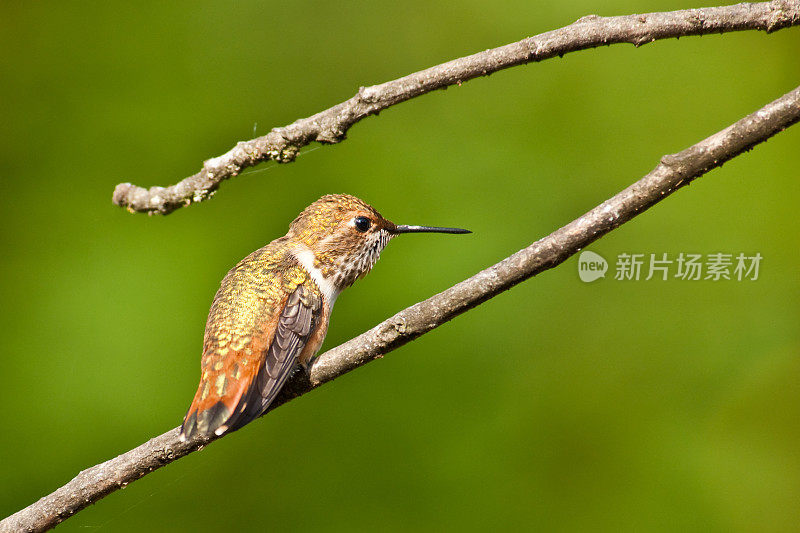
{"type": "Point", "coordinates": [307, 367]}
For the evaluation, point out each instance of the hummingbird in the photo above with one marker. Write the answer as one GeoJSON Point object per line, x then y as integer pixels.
{"type": "Point", "coordinates": [271, 312]}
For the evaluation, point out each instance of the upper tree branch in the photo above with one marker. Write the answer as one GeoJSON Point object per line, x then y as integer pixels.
{"type": "Point", "coordinates": [673, 172]}
{"type": "Point", "coordinates": [331, 125]}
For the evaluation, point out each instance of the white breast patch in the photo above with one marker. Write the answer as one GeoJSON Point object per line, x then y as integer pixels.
{"type": "Point", "coordinates": [326, 285]}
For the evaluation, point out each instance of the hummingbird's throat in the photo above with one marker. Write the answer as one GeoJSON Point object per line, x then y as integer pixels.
{"type": "Point", "coordinates": [334, 268]}
{"type": "Point", "coordinates": [354, 265]}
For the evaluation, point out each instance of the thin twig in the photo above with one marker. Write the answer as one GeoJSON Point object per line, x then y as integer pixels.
{"type": "Point", "coordinates": [672, 172]}
{"type": "Point", "coordinates": [331, 125]}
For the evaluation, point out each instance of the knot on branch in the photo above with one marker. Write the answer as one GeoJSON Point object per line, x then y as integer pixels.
{"type": "Point", "coordinates": [697, 19]}
{"type": "Point", "coordinates": [672, 161]}
{"type": "Point", "coordinates": [284, 155]}
{"type": "Point", "coordinates": [331, 135]}
{"type": "Point", "coordinates": [588, 18]}
{"type": "Point", "coordinates": [782, 13]}
{"type": "Point", "coordinates": [399, 325]}
{"type": "Point", "coordinates": [369, 95]}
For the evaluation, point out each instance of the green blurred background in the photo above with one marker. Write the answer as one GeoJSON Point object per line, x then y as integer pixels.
{"type": "Point", "coordinates": [649, 405]}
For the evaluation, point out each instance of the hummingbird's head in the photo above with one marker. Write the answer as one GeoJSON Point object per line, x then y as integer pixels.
{"type": "Point", "coordinates": [347, 235]}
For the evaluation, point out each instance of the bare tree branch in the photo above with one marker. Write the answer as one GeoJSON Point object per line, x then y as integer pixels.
{"type": "Point", "coordinates": [672, 173]}
{"type": "Point", "coordinates": [331, 125]}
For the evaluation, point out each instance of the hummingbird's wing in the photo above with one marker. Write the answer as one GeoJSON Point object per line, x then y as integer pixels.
{"type": "Point", "coordinates": [299, 319]}
{"type": "Point", "coordinates": [254, 337]}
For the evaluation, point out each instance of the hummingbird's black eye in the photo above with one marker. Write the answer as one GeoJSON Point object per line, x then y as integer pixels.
{"type": "Point", "coordinates": [362, 223]}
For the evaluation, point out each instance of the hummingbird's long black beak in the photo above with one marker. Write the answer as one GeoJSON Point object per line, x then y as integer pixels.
{"type": "Point", "coordinates": [428, 229]}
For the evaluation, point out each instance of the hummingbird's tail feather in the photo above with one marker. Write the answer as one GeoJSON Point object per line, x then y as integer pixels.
{"type": "Point", "coordinates": [189, 426]}
{"type": "Point", "coordinates": [205, 422]}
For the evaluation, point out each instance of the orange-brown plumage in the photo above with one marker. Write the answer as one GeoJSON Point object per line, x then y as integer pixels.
{"type": "Point", "coordinates": [272, 309]}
